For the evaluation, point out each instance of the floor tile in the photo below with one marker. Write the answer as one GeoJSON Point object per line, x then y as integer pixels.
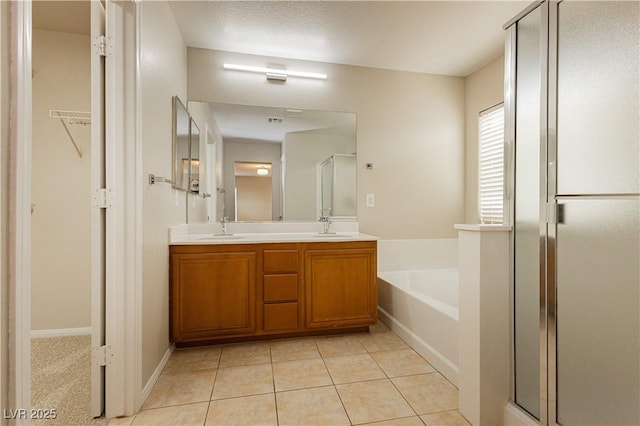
{"type": "Point", "coordinates": [405, 421]}
{"type": "Point", "coordinates": [248, 410]}
{"type": "Point", "coordinates": [300, 374]}
{"type": "Point", "coordinates": [315, 406]}
{"type": "Point", "coordinates": [378, 328]}
{"type": "Point", "coordinates": [340, 345]}
{"type": "Point", "coordinates": [181, 388]}
{"type": "Point", "coordinates": [428, 393]}
{"type": "Point", "coordinates": [373, 401]}
{"type": "Point", "coordinates": [353, 368]}
{"type": "Point", "coordinates": [288, 350]}
{"type": "Point", "coordinates": [245, 354]}
{"type": "Point", "coordinates": [445, 418]}
{"type": "Point", "coordinates": [120, 421]}
{"type": "Point", "coordinates": [192, 359]}
{"type": "Point", "coordinates": [243, 381]}
{"type": "Point", "coordinates": [191, 414]}
{"type": "Point", "coordinates": [375, 342]}
{"type": "Point", "coordinates": [402, 362]}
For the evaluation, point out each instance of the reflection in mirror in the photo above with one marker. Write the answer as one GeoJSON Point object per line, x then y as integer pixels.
{"type": "Point", "coordinates": [181, 123]}
{"type": "Point", "coordinates": [338, 178]}
{"type": "Point", "coordinates": [253, 185]}
{"type": "Point", "coordinates": [295, 143]}
{"type": "Point", "coordinates": [194, 155]}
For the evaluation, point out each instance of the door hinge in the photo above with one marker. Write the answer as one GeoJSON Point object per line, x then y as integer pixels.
{"type": "Point", "coordinates": [103, 45]}
{"type": "Point", "coordinates": [555, 213]}
{"type": "Point", "coordinates": [102, 355]}
{"type": "Point", "coordinates": [103, 198]}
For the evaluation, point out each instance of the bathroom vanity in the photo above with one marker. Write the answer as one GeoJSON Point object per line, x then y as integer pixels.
{"type": "Point", "coordinates": [252, 287]}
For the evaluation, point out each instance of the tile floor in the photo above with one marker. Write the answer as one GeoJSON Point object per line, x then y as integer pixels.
{"type": "Point", "coordinates": [356, 379]}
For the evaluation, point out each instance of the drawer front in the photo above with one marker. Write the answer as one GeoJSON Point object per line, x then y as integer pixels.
{"type": "Point", "coordinates": [280, 288]}
{"type": "Point", "coordinates": [281, 316]}
{"type": "Point", "coordinates": [280, 261]}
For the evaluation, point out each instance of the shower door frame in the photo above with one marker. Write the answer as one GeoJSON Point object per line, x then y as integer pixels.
{"type": "Point", "coordinates": [547, 194]}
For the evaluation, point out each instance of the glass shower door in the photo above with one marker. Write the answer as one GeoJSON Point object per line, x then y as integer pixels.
{"type": "Point", "coordinates": [597, 236]}
{"type": "Point", "coordinates": [529, 197]}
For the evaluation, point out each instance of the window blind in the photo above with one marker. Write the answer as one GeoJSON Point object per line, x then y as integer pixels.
{"type": "Point", "coordinates": [491, 165]}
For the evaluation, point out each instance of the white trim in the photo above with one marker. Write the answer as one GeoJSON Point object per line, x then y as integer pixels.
{"type": "Point", "coordinates": [435, 358]}
{"type": "Point", "coordinates": [124, 177]}
{"type": "Point", "coordinates": [60, 332]}
{"type": "Point", "coordinates": [482, 227]}
{"type": "Point", "coordinates": [156, 375]}
{"type": "Point", "coordinates": [19, 247]}
{"type": "Point", "coordinates": [515, 416]}
{"type": "Point", "coordinates": [135, 356]}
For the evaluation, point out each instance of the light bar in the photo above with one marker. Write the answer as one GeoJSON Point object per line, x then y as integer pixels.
{"type": "Point", "coordinates": [275, 71]}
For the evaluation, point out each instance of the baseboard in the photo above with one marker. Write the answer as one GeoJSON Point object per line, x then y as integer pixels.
{"type": "Point", "coordinates": [59, 332]}
{"type": "Point", "coordinates": [515, 416]}
{"type": "Point", "coordinates": [435, 358]}
{"type": "Point", "coordinates": [155, 376]}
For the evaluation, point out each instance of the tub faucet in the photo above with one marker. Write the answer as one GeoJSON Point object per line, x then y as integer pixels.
{"type": "Point", "coordinates": [326, 220]}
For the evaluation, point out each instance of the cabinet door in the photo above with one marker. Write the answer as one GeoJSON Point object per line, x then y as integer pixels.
{"type": "Point", "coordinates": [213, 294]}
{"type": "Point", "coordinates": [340, 286]}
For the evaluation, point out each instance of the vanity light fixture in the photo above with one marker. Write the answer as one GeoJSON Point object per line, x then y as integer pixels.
{"type": "Point", "coordinates": [262, 171]}
{"type": "Point", "coordinates": [274, 73]}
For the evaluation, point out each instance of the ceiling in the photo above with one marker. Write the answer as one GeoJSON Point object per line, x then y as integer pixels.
{"type": "Point", "coordinates": [63, 16]}
{"type": "Point", "coordinates": [438, 37]}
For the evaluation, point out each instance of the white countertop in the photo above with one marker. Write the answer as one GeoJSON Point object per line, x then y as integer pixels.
{"type": "Point", "coordinates": [267, 237]}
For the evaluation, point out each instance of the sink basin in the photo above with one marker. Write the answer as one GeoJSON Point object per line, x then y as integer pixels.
{"type": "Point", "coordinates": [220, 237]}
{"type": "Point", "coordinates": [321, 235]}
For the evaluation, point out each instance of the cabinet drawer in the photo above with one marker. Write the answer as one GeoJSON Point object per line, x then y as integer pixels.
{"type": "Point", "coordinates": [281, 316]}
{"type": "Point", "coordinates": [280, 261]}
{"type": "Point", "coordinates": [280, 288]}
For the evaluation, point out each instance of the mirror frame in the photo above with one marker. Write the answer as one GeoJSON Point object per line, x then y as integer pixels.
{"type": "Point", "coordinates": [194, 144]}
{"type": "Point", "coordinates": [176, 168]}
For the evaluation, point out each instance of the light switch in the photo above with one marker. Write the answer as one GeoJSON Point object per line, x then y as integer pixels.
{"type": "Point", "coordinates": [370, 200]}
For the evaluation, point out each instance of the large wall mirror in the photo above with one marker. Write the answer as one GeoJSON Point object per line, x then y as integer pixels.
{"type": "Point", "coordinates": [272, 162]}
{"type": "Point", "coordinates": [186, 149]}
{"type": "Point", "coordinates": [181, 144]}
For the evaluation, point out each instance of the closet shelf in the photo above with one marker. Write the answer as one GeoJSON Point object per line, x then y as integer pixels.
{"type": "Point", "coordinates": [71, 118]}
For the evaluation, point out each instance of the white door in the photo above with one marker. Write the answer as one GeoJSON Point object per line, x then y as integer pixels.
{"type": "Point", "coordinates": [97, 212]}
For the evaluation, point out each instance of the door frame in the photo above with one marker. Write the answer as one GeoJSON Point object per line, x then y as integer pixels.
{"type": "Point", "coordinates": [123, 394]}
{"type": "Point", "coordinates": [19, 210]}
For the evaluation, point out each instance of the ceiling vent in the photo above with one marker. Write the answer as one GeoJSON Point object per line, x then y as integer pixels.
{"type": "Point", "coordinates": [293, 112]}
{"type": "Point", "coordinates": [274, 119]}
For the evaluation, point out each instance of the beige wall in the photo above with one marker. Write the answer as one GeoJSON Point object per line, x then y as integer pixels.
{"type": "Point", "coordinates": [163, 74]}
{"type": "Point", "coordinates": [410, 126]}
{"type": "Point", "coordinates": [61, 184]}
{"type": "Point", "coordinates": [483, 89]}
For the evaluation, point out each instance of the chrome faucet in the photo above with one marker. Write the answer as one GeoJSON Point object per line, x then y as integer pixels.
{"type": "Point", "coordinates": [326, 220]}
{"type": "Point", "coordinates": [223, 223]}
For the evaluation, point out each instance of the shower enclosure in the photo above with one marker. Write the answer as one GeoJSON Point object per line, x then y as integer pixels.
{"type": "Point", "coordinates": [572, 105]}
{"type": "Point", "coordinates": [338, 186]}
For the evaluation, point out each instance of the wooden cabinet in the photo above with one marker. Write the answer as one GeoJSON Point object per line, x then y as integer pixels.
{"type": "Point", "coordinates": [281, 289]}
{"type": "Point", "coordinates": [340, 284]}
{"type": "Point", "coordinates": [251, 291]}
{"type": "Point", "coordinates": [215, 294]}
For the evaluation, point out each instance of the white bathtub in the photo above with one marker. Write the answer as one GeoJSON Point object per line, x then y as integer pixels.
{"type": "Point", "coordinates": [422, 307]}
